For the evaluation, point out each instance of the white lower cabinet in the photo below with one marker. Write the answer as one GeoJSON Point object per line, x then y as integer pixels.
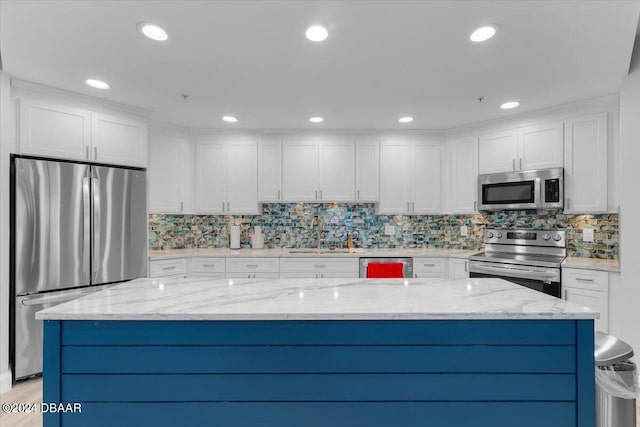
{"type": "Point", "coordinates": [169, 268]}
{"type": "Point", "coordinates": [588, 288]}
{"type": "Point", "coordinates": [309, 267]}
{"type": "Point", "coordinates": [424, 268]}
{"type": "Point", "coordinates": [458, 268]}
{"type": "Point", "coordinates": [207, 267]}
{"type": "Point", "coordinates": [253, 268]}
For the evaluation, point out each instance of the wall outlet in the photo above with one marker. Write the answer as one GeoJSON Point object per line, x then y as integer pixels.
{"type": "Point", "coordinates": [587, 234]}
{"type": "Point", "coordinates": [389, 230]}
{"type": "Point", "coordinates": [463, 230]}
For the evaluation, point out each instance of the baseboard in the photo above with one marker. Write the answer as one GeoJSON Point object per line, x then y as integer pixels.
{"type": "Point", "coordinates": [5, 382]}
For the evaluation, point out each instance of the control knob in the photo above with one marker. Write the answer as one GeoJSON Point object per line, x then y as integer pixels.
{"type": "Point", "coordinates": [499, 235]}
{"type": "Point", "coordinates": [490, 234]}
{"type": "Point", "coordinates": [545, 236]}
{"type": "Point", "coordinates": [557, 237]}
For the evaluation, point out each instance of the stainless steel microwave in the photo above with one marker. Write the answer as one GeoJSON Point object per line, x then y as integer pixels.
{"type": "Point", "coordinates": [533, 189]}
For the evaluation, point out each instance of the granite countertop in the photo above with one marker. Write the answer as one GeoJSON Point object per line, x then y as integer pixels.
{"type": "Point", "coordinates": [158, 254]}
{"type": "Point", "coordinates": [316, 299]}
{"type": "Point", "coordinates": [612, 265]}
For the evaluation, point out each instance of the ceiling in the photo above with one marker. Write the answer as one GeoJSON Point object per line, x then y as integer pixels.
{"type": "Point", "coordinates": [382, 60]}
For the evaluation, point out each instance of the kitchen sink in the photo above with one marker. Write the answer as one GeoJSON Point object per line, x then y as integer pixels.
{"type": "Point", "coordinates": [325, 251]}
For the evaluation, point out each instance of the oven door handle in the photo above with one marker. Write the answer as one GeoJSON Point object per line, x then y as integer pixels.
{"type": "Point", "coordinates": [522, 272]}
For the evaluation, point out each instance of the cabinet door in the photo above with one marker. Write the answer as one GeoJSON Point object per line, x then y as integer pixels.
{"type": "Point", "coordinates": [300, 170]}
{"type": "Point", "coordinates": [51, 130]}
{"type": "Point", "coordinates": [425, 180]}
{"type": "Point", "coordinates": [337, 163]}
{"type": "Point", "coordinates": [458, 268]}
{"type": "Point", "coordinates": [119, 141]}
{"type": "Point", "coordinates": [169, 169]}
{"type": "Point", "coordinates": [270, 171]}
{"type": "Point", "coordinates": [242, 177]}
{"type": "Point", "coordinates": [394, 177]}
{"type": "Point", "coordinates": [540, 146]}
{"type": "Point", "coordinates": [497, 152]}
{"type": "Point", "coordinates": [210, 178]}
{"type": "Point", "coordinates": [598, 301]}
{"type": "Point", "coordinates": [585, 164]}
{"type": "Point", "coordinates": [367, 171]}
{"type": "Point", "coordinates": [463, 175]}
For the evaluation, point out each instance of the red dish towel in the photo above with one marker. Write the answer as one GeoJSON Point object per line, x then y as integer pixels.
{"type": "Point", "coordinates": [385, 270]}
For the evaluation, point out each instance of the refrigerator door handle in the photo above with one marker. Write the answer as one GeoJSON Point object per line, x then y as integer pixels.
{"type": "Point", "coordinates": [86, 225]}
{"type": "Point", "coordinates": [95, 261]}
{"type": "Point", "coordinates": [68, 296]}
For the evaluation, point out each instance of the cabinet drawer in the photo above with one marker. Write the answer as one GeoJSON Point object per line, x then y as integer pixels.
{"type": "Point", "coordinates": [253, 265]}
{"type": "Point", "coordinates": [207, 265]}
{"type": "Point", "coordinates": [319, 265]}
{"type": "Point", "coordinates": [168, 267]}
{"type": "Point", "coordinates": [429, 265]}
{"type": "Point", "coordinates": [585, 279]}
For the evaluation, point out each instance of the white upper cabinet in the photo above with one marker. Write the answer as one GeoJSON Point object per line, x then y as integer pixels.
{"type": "Point", "coordinates": [498, 152]}
{"type": "Point", "coordinates": [227, 176]}
{"type": "Point", "coordinates": [52, 130]}
{"type": "Point", "coordinates": [300, 170]}
{"type": "Point", "coordinates": [425, 183]}
{"type": "Point", "coordinates": [270, 170]}
{"type": "Point", "coordinates": [395, 177]}
{"type": "Point", "coordinates": [119, 141]}
{"type": "Point", "coordinates": [367, 170]}
{"type": "Point", "coordinates": [540, 146]}
{"type": "Point", "coordinates": [409, 176]}
{"type": "Point", "coordinates": [336, 179]}
{"type": "Point", "coordinates": [242, 177]}
{"type": "Point", "coordinates": [462, 187]}
{"type": "Point", "coordinates": [170, 168]}
{"type": "Point", "coordinates": [531, 147]}
{"type": "Point", "coordinates": [585, 163]}
{"type": "Point", "coordinates": [318, 168]}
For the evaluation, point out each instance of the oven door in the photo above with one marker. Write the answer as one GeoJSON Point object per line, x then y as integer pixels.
{"type": "Point", "coordinates": [541, 279]}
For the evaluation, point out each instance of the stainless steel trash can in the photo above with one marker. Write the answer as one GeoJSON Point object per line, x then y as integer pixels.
{"type": "Point", "coordinates": [616, 382]}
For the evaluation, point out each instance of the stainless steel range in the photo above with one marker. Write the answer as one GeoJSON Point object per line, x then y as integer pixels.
{"type": "Point", "coordinates": [529, 258]}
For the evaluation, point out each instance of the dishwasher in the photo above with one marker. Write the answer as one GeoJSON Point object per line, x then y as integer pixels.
{"type": "Point", "coordinates": [405, 272]}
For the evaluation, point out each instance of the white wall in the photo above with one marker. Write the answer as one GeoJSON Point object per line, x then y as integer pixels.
{"type": "Point", "coordinates": [625, 298]}
{"type": "Point", "coordinates": [5, 137]}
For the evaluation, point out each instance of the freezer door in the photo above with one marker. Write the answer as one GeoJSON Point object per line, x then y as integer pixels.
{"type": "Point", "coordinates": [51, 225]}
{"type": "Point", "coordinates": [119, 224]}
{"type": "Point", "coordinates": [28, 331]}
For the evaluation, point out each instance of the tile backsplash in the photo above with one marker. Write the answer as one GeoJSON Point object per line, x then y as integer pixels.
{"type": "Point", "coordinates": [301, 224]}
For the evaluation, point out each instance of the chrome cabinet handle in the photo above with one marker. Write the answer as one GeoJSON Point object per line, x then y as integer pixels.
{"type": "Point", "coordinates": [228, 206]}
{"type": "Point", "coordinates": [567, 203]}
{"type": "Point", "coordinates": [580, 279]}
{"type": "Point", "coordinates": [513, 166]}
{"type": "Point", "coordinates": [429, 265]}
{"type": "Point", "coordinates": [173, 267]}
{"type": "Point", "coordinates": [466, 266]}
{"type": "Point", "coordinates": [316, 194]}
{"type": "Point", "coordinates": [86, 151]}
{"type": "Point", "coordinates": [413, 206]}
{"type": "Point", "coordinates": [320, 266]}
{"type": "Point", "coordinates": [278, 194]}
{"type": "Point", "coordinates": [320, 194]}
{"type": "Point", "coordinates": [520, 164]}
{"type": "Point", "coordinates": [565, 295]}
{"type": "Point", "coordinates": [408, 207]}
{"type": "Point", "coordinates": [95, 153]}
{"type": "Point", "coordinates": [222, 206]}
{"type": "Point", "coordinates": [181, 206]}
{"type": "Point", "coordinates": [357, 194]}
{"type": "Point", "coordinates": [208, 265]}
{"type": "Point", "coordinates": [252, 265]}
{"type": "Point", "coordinates": [475, 206]}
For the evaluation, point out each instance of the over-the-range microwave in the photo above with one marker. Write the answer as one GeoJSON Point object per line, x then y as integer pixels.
{"type": "Point", "coordinates": [533, 189]}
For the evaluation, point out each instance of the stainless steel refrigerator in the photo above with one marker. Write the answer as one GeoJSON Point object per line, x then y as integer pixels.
{"type": "Point", "coordinates": [75, 226]}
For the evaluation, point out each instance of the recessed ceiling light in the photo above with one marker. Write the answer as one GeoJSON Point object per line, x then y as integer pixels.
{"type": "Point", "coordinates": [317, 33]}
{"type": "Point", "coordinates": [229, 119]}
{"type": "Point", "coordinates": [316, 120]}
{"type": "Point", "coordinates": [405, 119]}
{"type": "Point", "coordinates": [98, 84]}
{"type": "Point", "coordinates": [484, 33]}
{"type": "Point", "coordinates": [509, 105]}
{"type": "Point", "coordinates": [153, 31]}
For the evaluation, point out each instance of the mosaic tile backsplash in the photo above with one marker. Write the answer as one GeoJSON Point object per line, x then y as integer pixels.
{"type": "Point", "coordinates": [301, 225]}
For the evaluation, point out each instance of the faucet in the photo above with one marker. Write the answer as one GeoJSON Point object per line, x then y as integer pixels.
{"type": "Point", "coordinates": [317, 220]}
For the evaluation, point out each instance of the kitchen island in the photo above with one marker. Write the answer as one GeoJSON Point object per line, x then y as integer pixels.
{"type": "Point", "coordinates": [320, 352]}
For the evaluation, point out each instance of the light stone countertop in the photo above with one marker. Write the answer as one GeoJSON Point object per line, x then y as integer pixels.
{"type": "Point", "coordinates": [316, 299]}
{"type": "Point", "coordinates": [158, 254]}
{"type": "Point", "coordinates": [612, 265]}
